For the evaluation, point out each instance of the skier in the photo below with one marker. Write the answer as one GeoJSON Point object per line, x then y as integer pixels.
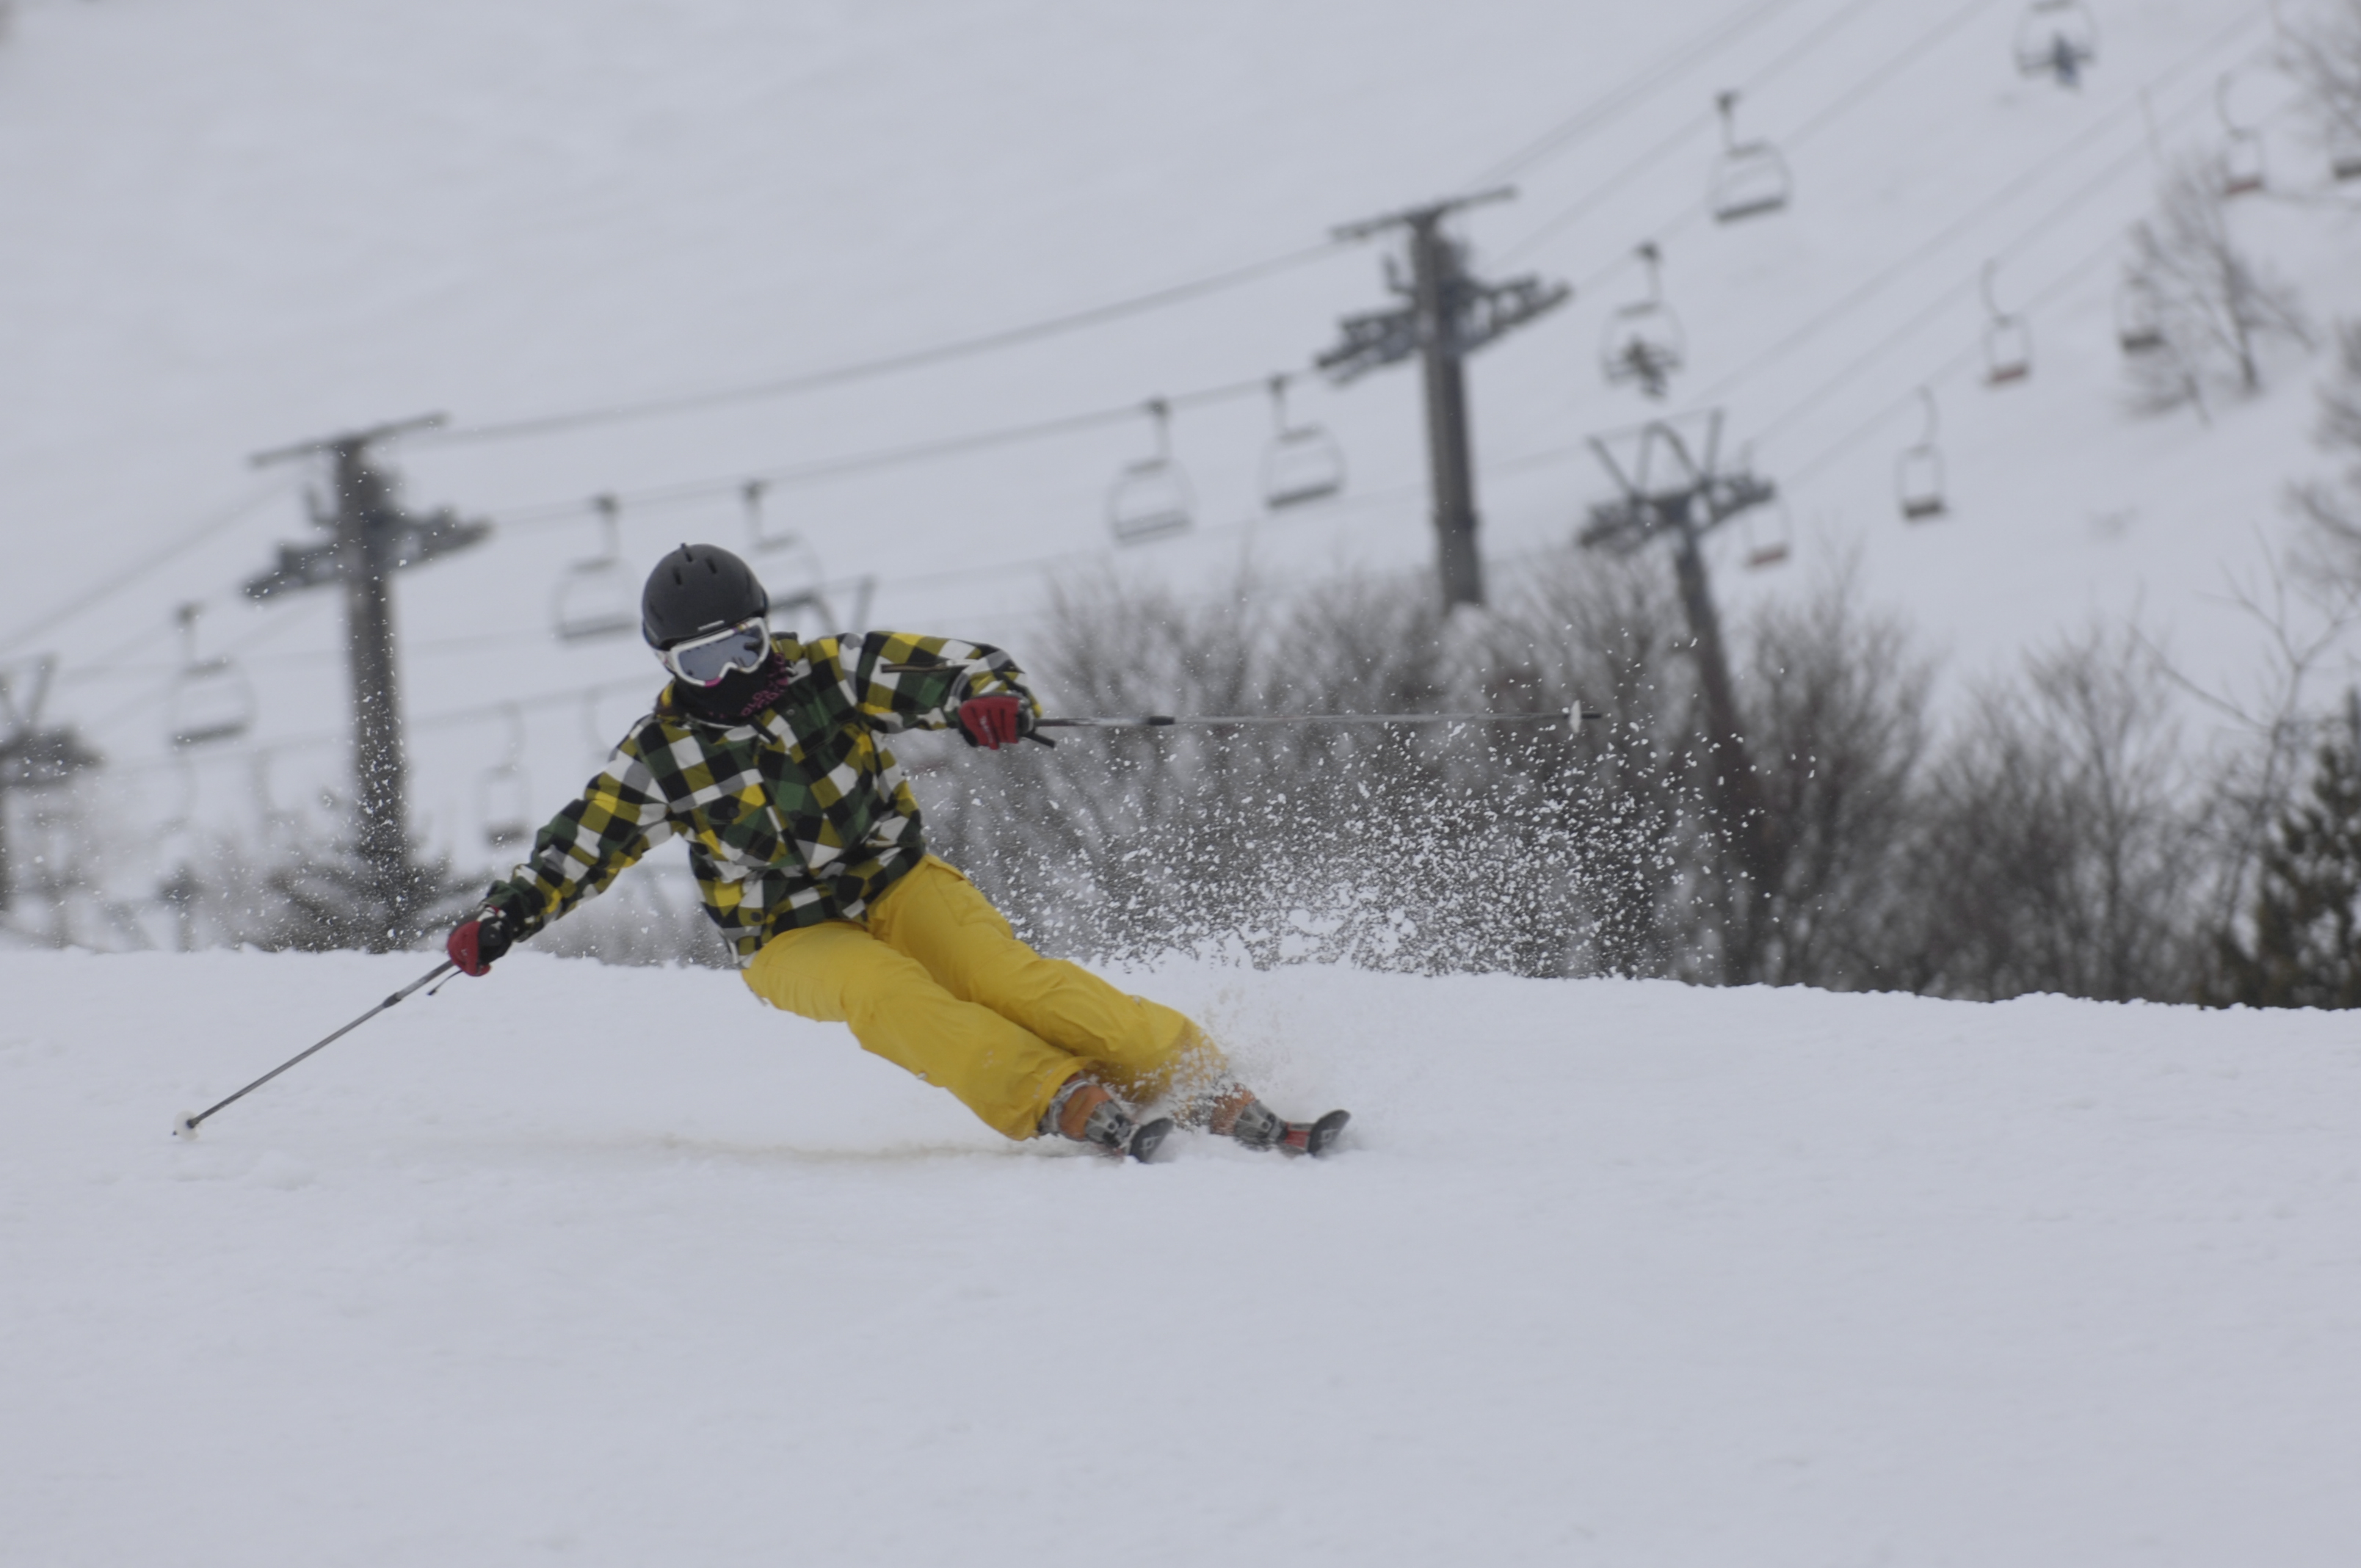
{"type": "Point", "coordinates": [764, 753]}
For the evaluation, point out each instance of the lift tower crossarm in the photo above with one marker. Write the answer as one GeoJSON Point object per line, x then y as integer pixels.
{"type": "Point", "coordinates": [1446, 315]}
{"type": "Point", "coordinates": [1426, 212]}
{"type": "Point", "coordinates": [369, 436]}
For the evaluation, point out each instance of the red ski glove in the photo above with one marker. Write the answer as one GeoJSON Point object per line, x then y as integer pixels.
{"type": "Point", "coordinates": [991, 722]}
{"type": "Point", "coordinates": [475, 945]}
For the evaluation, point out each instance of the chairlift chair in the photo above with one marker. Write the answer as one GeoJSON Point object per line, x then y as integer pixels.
{"type": "Point", "coordinates": [1919, 474]}
{"type": "Point", "coordinates": [2242, 153]}
{"type": "Point", "coordinates": [1642, 343]}
{"type": "Point", "coordinates": [1750, 178]}
{"type": "Point", "coordinates": [2057, 38]}
{"type": "Point", "coordinates": [1150, 497]}
{"type": "Point", "coordinates": [503, 795]}
{"type": "Point", "coordinates": [2138, 328]}
{"type": "Point", "coordinates": [2008, 340]}
{"type": "Point", "coordinates": [596, 597]}
{"type": "Point", "coordinates": [1770, 539]}
{"type": "Point", "coordinates": [211, 699]}
{"type": "Point", "coordinates": [2242, 163]}
{"type": "Point", "coordinates": [1303, 463]}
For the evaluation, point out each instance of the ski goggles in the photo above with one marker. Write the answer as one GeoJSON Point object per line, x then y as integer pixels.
{"type": "Point", "coordinates": [704, 660]}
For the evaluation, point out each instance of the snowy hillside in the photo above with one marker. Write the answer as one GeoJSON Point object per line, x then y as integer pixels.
{"type": "Point", "coordinates": [241, 223]}
{"type": "Point", "coordinates": [1617, 1272]}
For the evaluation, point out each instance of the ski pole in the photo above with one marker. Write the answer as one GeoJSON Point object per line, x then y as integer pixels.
{"type": "Point", "coordinates": [185, 1126]}
{"type": "Point", "coordinates": [1571, 716]}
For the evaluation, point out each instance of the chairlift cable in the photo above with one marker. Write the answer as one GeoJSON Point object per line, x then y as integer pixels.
{"type": "Point", "coordinates": [1856, 295]}
{"type": "Point", "coordinates": [1845, 103]}
{"type": "Point", "coordinates": [927, 449]}
{"type": "Point", "coordinates": [2071, 276]}
{"type": "Point", "coordinates": [1682, 136]}
{"type": "Point", "coordinates": [918, 452]}
{"type": "Point", "coordinates": [206, 528]}
{"type": "Point", "coordinates": [1154, 299]}
{"type": "Point", "coordinates": [910, 359]}
{"type": "Point", "coordinates": [1593, 116]}
{"type": "Point", "coordinates": [537, 514]}
{"type": "Point", "coordinates": [1151, 300]}
{"type": "Point", "coordinates": [1888, 340]}
{"type": "Point", "coordinates": [1406, 492]}
{"type": "Point", "coordinates": [275, 626]}
{"type": "Point", "coordinates": [1792, 411]}
{"type": "Point", "coordinates": [453, 718]}
{"type": "Point", "coordinates": [1853, 298]}
{"type": "Point", "coordinates": [449, 718]}
{"type": "Point", "coordinates": [1795, 409]}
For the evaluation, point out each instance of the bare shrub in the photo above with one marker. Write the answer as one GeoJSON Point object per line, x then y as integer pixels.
{"type": "Point", "coordinates": [1449, 847]}
{"type": "Point", "coordinates": [1603, 632]}
{"type": "Point", "coordinates": [2214, 305]}
{"type": "Point", "coordinates": [2334, 508]}
{"type": "Point", "coordinates": [1418, 847]}
{"type": "Point", "coordinates": [2057, 839]}
{"type": "Point", "coordinates": [1834, 703]}
{"type": "Point", "coordinates": [2322, 53]}
{"type": "Point", "coordinates": [2058, 846]}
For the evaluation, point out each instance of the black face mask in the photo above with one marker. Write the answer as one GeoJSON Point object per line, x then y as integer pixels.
{"type": "Point", "coordinates": [738, 696]}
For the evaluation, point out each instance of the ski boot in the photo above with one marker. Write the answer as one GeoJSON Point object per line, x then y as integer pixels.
{"type": "Point", "coordinates": [1085, 1112]}
{"type": "Point", "coordinates": [1234, 1112]}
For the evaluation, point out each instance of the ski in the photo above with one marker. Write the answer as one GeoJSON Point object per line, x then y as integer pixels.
{"type": "Point", "coordinates": [1146, 1138]}
{"type": "Point", "coordinates": [1314, 1137]}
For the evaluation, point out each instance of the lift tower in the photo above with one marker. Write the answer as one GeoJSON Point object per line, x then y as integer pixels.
{"type": "Point", "coordinates": [371, 537]}
{"type": "Point", "coordinates": [1678, 491]}
{"type": "Point", "coordinates": [1446, 316]}
{"type": "Point", "coordinates": [33, 755]}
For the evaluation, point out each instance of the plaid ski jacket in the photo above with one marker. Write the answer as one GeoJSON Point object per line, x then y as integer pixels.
{"type": "Point", "coordinates": [794, 817]}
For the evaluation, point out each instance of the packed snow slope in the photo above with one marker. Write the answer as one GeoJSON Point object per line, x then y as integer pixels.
{"type": "Point", "coordinates": [237, 223]}
{"type": "Point", "coordinates": [608, 1265]}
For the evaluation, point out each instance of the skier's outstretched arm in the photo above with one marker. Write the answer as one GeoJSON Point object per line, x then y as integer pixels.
{"type": "Point", "coordinates": [618, 817]}
{"type": "Point", "coordinates": [902, 681]}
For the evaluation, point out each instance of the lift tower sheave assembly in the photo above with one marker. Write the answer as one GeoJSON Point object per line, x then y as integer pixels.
{"type": "Point", "coordinates": [372, 538]}
{"type": "Point", "coordinates": [1446, 316]}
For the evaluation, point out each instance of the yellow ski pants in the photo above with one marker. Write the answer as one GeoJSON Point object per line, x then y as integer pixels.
{"type": "Point", "coordinates": [935, 982]}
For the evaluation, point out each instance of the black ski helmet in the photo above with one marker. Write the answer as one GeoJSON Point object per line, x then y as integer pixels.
{"type": "Point", "coordinates": [696, 590]}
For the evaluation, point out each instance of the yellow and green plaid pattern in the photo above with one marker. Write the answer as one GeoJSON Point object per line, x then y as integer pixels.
{"type": "Point", "coordinates": [795, 816]}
